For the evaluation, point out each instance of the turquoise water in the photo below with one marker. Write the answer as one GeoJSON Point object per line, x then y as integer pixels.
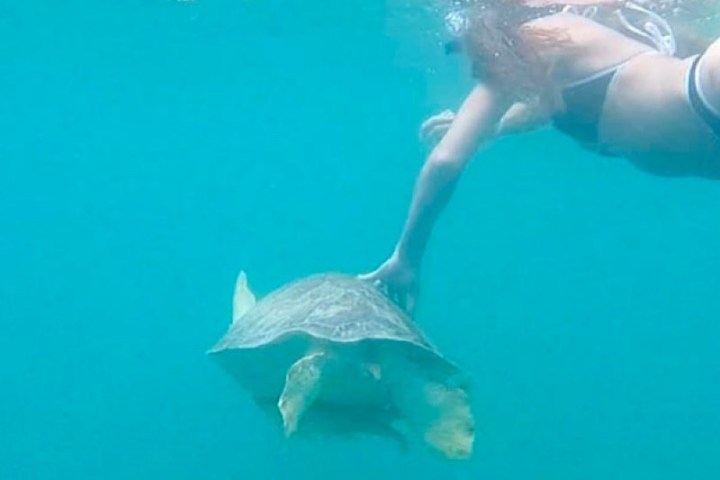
{"type": "Point", "coordinates": [151, 149]}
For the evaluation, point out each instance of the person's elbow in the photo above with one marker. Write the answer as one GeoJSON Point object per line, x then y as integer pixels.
{"type": "Point", "coordinates": [446, 162]}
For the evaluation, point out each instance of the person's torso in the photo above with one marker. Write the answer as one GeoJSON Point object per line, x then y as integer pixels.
{"type": "Point", "coordinates": [621, 97]}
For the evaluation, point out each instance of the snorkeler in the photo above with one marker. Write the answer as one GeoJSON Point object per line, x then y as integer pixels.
{"type": "Point", "coordinates": [604, 72]}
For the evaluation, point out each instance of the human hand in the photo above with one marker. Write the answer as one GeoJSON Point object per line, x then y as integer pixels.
{"type": "Point", "coordinates": [398, 280]}
{"type": "Point", "coordinates": [435, 127]}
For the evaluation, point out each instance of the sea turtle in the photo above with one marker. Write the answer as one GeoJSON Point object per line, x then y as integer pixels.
{"type": "Point", "coordinates": [335, 355]}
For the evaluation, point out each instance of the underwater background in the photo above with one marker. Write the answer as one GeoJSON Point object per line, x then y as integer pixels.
{"type": "Point", "coordinates": [153, 148]}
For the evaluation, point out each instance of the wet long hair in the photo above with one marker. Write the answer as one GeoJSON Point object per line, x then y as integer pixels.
{"type": "Point", "coordinates": [503, 50]}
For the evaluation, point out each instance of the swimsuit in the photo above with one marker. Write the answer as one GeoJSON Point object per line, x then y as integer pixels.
{"type": "Point", "coordinates": [698, 101]}
{"type": "Point", "coordinates": [584, 99]}
{"type": "Point", "coordinates": [583, 105]}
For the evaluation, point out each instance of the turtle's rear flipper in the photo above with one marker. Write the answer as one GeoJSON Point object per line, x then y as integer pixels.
{"type": "Point", "coordinates": [302, 385]}
{"type": "Point", "coordinates": [435, 412]}
{"type": "Point", "coordinates": [450, 429]}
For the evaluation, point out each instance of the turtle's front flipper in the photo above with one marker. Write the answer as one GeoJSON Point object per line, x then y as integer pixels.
{"type": "Point", "coordinates": [302, 385]}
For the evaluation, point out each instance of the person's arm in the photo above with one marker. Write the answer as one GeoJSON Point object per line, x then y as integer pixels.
{"type": "Point", "coordinates": [475, 123]}
{"type": "Point", "coordinates": [522, 117]}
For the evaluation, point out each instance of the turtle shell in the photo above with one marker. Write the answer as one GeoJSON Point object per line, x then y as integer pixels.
{"type": "Point", "coordinates": [335, 311]}
{"type": "Point", "coordinates": [333, 307]}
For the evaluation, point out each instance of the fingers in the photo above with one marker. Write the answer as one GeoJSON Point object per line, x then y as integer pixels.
{"type": "Point", "coordinates": [401, 298]}
{"type": "Point", "coordinates": [395, 283]}
{"type": "Point", "coordinates": [433, 122]}
{"type": "Point", "coordinates": [410, 304]}
{"type": "Point", "coordinates": [374, 279]}
{"type": "Point", "coordinates": [375, 276]}
{"type": "Point", "coordinates": [366, 277]}
{"type": "Point", "coordinates": [406, 301]}
{"type": "Point", "coordinates": [447, 113]}
{"type": "Point", "coordinates": [382, 286]}
{"type": "Point", "coordinates": [437, 132]}
{"type": "Point", "coordinates": [436, 124]}
{"type": "Point", "coordinates": [444, 116]}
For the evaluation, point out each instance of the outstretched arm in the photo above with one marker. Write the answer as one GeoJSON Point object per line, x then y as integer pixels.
{"type": "Point", "coordinates": [475, 123]}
